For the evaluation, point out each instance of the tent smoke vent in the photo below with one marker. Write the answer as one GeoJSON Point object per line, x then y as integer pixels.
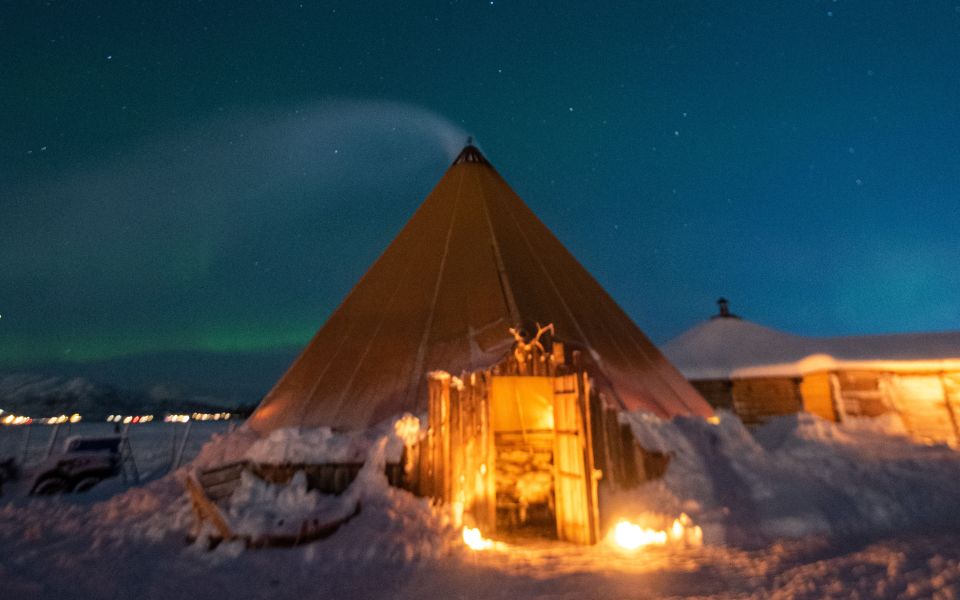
{"type": "Point", "coordinates": [470, 154]}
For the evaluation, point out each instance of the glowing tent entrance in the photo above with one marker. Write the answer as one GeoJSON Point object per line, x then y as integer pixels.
{"type": "Point", "coordinates": [515, 453]}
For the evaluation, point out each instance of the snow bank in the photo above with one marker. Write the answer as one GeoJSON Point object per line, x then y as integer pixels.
{"type": "Point", "coordinates": [393, 526]}
{"type": "Point", "coordinates": [258, 507]}
{"type": "Point", "coordinates": [798, 476]}
{"type": "Point", "coordinates": [294, 445]}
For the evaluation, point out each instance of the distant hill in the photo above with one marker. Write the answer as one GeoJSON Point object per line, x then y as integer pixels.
{"type": "Point", "coordinates": [40, 396]}
{"type": "Point", "coordinates": [155, 383]}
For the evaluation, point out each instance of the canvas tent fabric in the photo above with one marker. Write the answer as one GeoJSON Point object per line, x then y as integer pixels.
{"type": "Point", "coordinates": [472, 262]}
{"type": "Point", "coordinates": [721, 348]}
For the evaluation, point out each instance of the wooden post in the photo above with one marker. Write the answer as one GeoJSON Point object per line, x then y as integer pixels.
{"type": "Point", "coordinates": [180, 450]}
{"type": "Point", "coordinates": [173, 443]}
{"type": "Point", "coordinates": [489, 453]}
{"type": "Point", "coordinates": [611, 430]}
{"type": "Point", "coordinates": [53, 440]}
{"type": "Point", "coordinates": [589, 466]}
{"type": "Point", "coordinates": [949, 405]}
{"type": "Point", "coordinates": [837, 393]}
{"type": "Point", "coordinates": [454, 448]}
{"type": "Point", "coordinates": [26, 443]}
{"type": "Point", "coordinates": [630, 470]}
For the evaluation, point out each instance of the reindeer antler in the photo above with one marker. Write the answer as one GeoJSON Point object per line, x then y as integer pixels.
{"type": "Point", "coordinates": [543, 330]}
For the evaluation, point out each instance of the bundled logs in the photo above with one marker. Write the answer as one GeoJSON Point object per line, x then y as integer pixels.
{"type": "Point", "coordinates": [524, 479]}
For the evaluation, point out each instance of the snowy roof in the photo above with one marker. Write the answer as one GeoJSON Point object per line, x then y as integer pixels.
{"type": "Point", "coordinates": [720, 347]}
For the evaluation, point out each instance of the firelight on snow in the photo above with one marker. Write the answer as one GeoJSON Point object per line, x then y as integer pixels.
{"type": "Point", "coordinates": [631, 536]}
{"type": "Point", "coordinates": [473, 538]}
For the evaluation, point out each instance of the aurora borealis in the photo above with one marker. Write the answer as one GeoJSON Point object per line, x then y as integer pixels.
{"type": "Point", "coordinates": [214, 176]}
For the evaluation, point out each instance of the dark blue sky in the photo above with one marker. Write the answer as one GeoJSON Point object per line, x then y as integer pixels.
{"type": "Point", "coordinates": [216, 175]}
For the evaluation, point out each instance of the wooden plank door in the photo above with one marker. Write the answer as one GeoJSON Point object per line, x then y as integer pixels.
{"type": "Point", "coordinates": [477, 460]}
{"type": "Point", "coordinates": [574, 484]}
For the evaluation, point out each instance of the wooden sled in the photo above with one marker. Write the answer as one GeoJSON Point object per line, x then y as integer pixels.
{"type": "Point", "coordinates": [210, 488]}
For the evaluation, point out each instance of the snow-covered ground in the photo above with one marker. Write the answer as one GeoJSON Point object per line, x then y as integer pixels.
{"type": "Point", "coordinates": [803, 509]}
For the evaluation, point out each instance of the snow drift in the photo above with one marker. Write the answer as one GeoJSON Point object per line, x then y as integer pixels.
{"type": "Point", "coordinates": [798, 476]}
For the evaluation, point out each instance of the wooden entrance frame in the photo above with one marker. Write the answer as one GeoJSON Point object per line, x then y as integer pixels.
{"type": "Point", "coordinates": [454, 462]}
{"type": "Point", "coordinates": [461, 447]}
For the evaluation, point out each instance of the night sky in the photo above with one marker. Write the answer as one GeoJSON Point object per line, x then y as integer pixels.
{"type": "Point", "coordinates": [215, 176]}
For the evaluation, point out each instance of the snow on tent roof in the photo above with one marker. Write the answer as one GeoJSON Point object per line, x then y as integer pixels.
{"type": "Point", "coordinates": [721, 347]}
{"type": "Point", "coordinates": [472, 261]}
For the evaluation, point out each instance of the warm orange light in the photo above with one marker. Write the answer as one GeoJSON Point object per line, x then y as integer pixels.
{"type": "Point", "coordinates": [476, 541]}
{"type": "Point", "coordinates": [630, 536]}
{"type": "Point", "coordinates": [676, 531]}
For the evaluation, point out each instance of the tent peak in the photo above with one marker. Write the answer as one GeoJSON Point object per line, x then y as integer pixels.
{"type": "Point", "coordinates": [471, 154]}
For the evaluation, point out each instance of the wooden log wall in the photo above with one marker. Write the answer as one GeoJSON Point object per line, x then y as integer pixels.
{"type": "Point", "coordinates": [717, 392]}
{"type": "Point", "coordinates": [624, 463]}
{"type": "Point", "coordinates": [757, 400]}
{"type": "Point", "coordinates": [862, 393]}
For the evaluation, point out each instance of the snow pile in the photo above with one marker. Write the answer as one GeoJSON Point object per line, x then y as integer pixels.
{"type": "Point", "coordinates": [313, 446]}
{"type": "Point", "coordinates": [293, 445]}
{"type": "Point", "coordinates": [258, 507]}
{"type": "Point", "coordinates": [392, 526]}
{"type": "Point", "coordinates": [798, 476]}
